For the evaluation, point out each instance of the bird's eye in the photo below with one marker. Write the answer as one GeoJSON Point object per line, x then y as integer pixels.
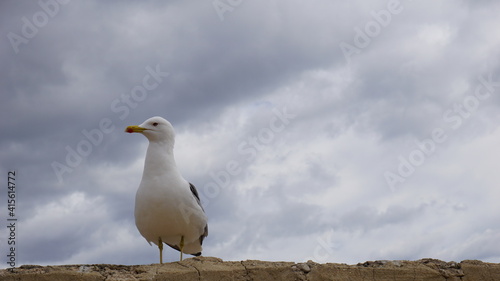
{"type": "Point", "coordinates": [155, 124]}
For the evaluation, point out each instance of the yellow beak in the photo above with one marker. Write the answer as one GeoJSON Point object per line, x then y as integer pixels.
{"type": "Point", "coordinates": [135, 129]}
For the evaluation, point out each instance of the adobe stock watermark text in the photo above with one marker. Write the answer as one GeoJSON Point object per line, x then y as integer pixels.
{"type": "Point", "coordinates": [454, 117]}
{"type": "Point", "coordinates": [121, 107]}
{"type": "Point", "coordinates": [11, 219]}
{"type": "Point", "coordinates": [32, 25]}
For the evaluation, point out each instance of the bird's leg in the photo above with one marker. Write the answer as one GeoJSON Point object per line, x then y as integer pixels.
{"type": "Point", "coordinates": [181, 245]}
{"type": "Point", "coordinates": [160, 246]}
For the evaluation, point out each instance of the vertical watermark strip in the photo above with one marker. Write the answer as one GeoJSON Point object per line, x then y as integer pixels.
{"type": "Point", "coordinates": [11, 222]}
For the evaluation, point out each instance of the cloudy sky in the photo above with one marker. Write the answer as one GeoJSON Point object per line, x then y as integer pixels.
{"type": "Point", "coordinates": [336, 131]}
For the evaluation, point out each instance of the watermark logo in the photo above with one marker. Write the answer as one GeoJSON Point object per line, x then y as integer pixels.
{"type": "Point", "coordinates": [325, 248]}
{"type": "Point", "coordinates": [371, 29]}
{"type": "Point", "coordinates": [223, 6]}
{"type": "Point", "coordinates": [454, 117]}
{"type": "Point", "coordinates": [31, 27]}
{"type": "Point", "coordinates": [120, 106]}
{"type": "Point", "coordinates": [250, 148]}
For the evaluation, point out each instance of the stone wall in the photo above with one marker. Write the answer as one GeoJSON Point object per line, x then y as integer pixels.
{"type": "Point", "coordinates": [209, 268]}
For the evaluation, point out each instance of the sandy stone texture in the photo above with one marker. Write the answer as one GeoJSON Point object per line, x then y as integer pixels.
{"type": "Point", "coordinates": [210, 268]}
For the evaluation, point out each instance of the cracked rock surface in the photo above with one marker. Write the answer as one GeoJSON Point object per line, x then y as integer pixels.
{"type": "Point", "coordinates": [210, 268]}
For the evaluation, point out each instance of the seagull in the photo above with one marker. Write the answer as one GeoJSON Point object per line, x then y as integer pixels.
{"type": "Point", "coordinates": [167, 207]}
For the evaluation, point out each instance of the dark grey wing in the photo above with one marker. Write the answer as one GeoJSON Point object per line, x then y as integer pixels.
{"type": "Point", "coordinates": [195, 194]}
{"type": "Point", "coordinates": [205, 232]}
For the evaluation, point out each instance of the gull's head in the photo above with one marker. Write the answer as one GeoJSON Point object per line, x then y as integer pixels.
{"type": "Point", "coordinates": [156, 129]}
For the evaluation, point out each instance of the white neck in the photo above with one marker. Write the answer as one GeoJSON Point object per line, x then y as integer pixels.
{"type": "Point", "coordinates": [159, 160]}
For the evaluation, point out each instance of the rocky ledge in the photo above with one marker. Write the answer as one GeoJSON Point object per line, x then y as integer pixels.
{"type": "Point", "coordinates": [209, 268]}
